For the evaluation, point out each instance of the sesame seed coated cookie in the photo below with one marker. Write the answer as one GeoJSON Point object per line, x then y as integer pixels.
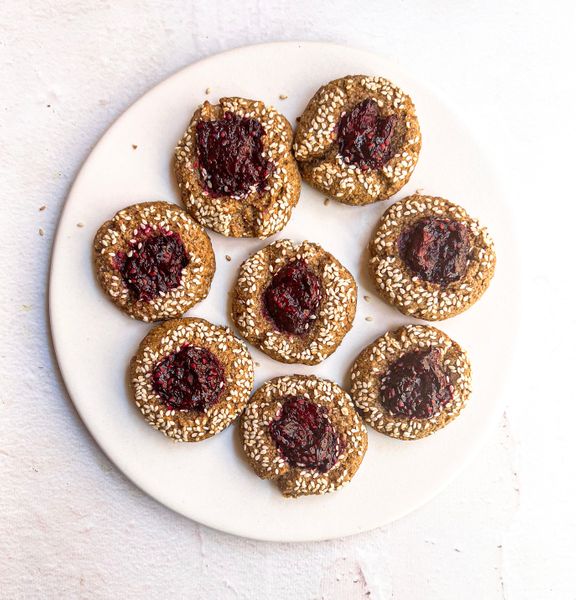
{"type": "Point", "coordinates": [430, 259]}
{"type": "Point", "coordinates": [191, 379]}
{"type": "Point", "coordinates": [235, 169]}
{"type": "Point", "coordinates": [358, 139]}
{"type": "Point", "coordinates": [153, 260]}
{"type": "Point", "coordinates": [411, 382]}
{"type": "Point", "coordinates": [303, 432]}
{"type": "Point", "coordinates": [295, 302]}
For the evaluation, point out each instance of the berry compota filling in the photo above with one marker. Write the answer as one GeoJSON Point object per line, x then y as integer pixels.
{"type": "Point", "coordinates": [231, 155]}
{"type": "Point", "coordinates": [436, 249]}
{"type": "Point", "coordinates": [365, 137]}
{"type": "Point", "coordinates": [293, 297]}
{"type": "Point", "coordinates": [304, 435]}
{"type": "Point", "coordinates": [415, 385]}
{"type": "Point", "coordinates": [190, 379]}
{"type": "Point", "coordinates": [153, 265]}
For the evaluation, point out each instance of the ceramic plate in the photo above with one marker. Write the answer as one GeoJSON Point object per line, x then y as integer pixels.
{"type": "Point", "coordinates": [211, 481]}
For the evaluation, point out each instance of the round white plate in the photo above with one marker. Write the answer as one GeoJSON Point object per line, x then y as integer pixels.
{"type": "Point", "coordinates": [211, 481]}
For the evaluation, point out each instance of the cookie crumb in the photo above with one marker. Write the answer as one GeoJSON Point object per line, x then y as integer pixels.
{"type": "Point", "coordinates": [134, 146]}
{"type": "Point", "coordinates": [40, 231]}
{"type": "Point", "coordinates": [367, 298]}
{"type": "Point", "coordinates": [282, 96]}
{"type": "Point", "coordinates": [326, 201]}
{"type": "Point", "coordinates": [256, 364]}
{"type": "Point", "coordinates": [369, 318]}
{"type": "Point", "coordinates": [80, 224]}
{"type": "Point", "coordinates": [43, 207]}
{"type": "Point", "coordinates": [207, 90]}
{"type": "Point", "coordinates": [228, 257]}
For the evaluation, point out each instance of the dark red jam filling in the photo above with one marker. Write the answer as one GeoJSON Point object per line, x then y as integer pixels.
{"type": "Point", "coordinates": [153, 265]}
{"type": "Point", "coordinates": [304, 435]}
{"type": "Point", "coordinates": [436, 249]}
{"type": "Point", "coordinates": [293, 297]}
{"type": "Point", "coordinates": [364, 137]}
{"type": "Point", "coordinates": [190, 379]}
{"type": "Point", "coordinates": [231, 155]}
{"type": "Point", "coordinates": [415, 385]}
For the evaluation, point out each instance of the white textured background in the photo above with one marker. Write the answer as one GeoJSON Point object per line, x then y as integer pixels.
{"type": "Point", "coordinates": [71, 526]}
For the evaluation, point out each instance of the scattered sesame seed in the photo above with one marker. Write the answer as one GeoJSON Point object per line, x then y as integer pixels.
{"type": "Point", "coordinates": [207, 90]}
{"type": "Point", "coordinates": [368, 318]}
{"type": "Point", "coordinates": [43, 207]}
{"type": "Point", "coordinates": [40, 231]}
{"type": "Point", "coordinates": [282, 96]}
{"type": "Point", "coordinates": [80, 224]}
{"type": "Point", "coordinates": [134, 146]}
{"type": "Point", "coordinates": [228, 257]}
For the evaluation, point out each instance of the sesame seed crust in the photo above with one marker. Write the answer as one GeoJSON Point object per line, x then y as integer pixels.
{"type": "Point", "coordinates": [263, 455]}
{"type": "Point", "coordinates": [317, 153]}
{"type": "Point", "coordinates": [375, 359]}
{"type": "Point", "coordinates": [335, 315]}
{"type": "Point", "coordinates": [258, 213]}
{"type": "Point", "coordinates": [172, 336]}
{"type": "Point", "coordinates": [118, 235]}
{"type": "Point", "coordinates": [416, 297]}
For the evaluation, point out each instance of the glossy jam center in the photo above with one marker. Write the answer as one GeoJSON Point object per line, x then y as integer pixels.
{"type": "Point", "coordinates": [293, 297]}
{"type": "Point", "coordinates": [190, 379]}
{"type": "Point", "coordinates": [364, 137]}
{"type": "Point", "coordinates": [415, 385]}
{"type": "Point", "coordinates": [436, 249]}
{"type": "Point", "coordinates": [304, 435]}
{"type": "Point", "coordinates": [153, 265]}
{"type": "Point", "coordinates": [230, 153]}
